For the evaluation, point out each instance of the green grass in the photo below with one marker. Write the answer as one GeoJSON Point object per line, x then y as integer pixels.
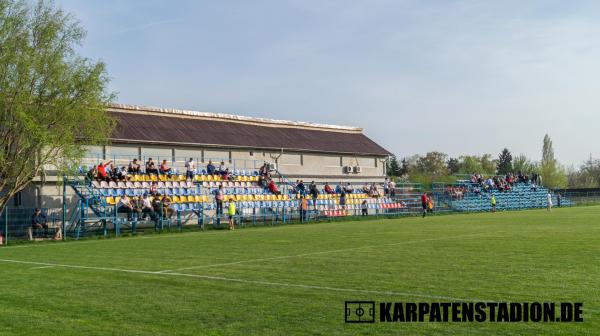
{"type": "Point", "coordinates": [511, 256]}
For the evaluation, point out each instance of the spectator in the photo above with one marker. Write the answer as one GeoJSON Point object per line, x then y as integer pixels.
{"type": "Point", "coordinates": [349, 188]}
{"type": "Point", "coordinates": [386, 186]}
{"type": "Point", "coordinates": [430, 204]}
{"type": "Point", "coordinates": [210, 168]}
{"type": "Point", "coordinates": [156, 204]}
{"type": "Point", "coordinates": [153, 189]}
{"type": "Point", "coordinates": [112, 172]}
{"type": "Point", "coordinates": [138, 206]}
{"type": "Point", "coordinates": [147, 208]}
{"type": "Point", "coordinates": [424, 203]}
{"type": "Point", "coordinates": [102, 173]}
{"type": "Point", "coordinates": [303, 208]}
{"type": "Point", "coordinates": [373, 192]}
{"type": "Point", "coordinates": [262, 181]}
{"type": "Point", "coordinates": [125, 206]}
{"type": "Point", "coordinates": [558, 199]}
{"type": "Point", "coordinates": [343, 200]}
{"type": "Point", "coordinates": [190, 168]}
{"type": "Point", "coordinates": [338, 188]}
{"type": "Point", "coordinates": [365, 208]}
{"type": "Point", "coordinates": [123, 175]}
{"type": "Point", "coordinates": [151, 167]}
{"type": "Point", "coordinates": [219, 200]}
{"type": "Point", "coordinates": [273, 188]}
{"type": "Point", "coordinates": [164, 168]}
{"type": "Point", "coordinates": [533, 187]}
{"type": "Point", "coordinates": [221, 167]}
{"type": "Point", "coordinates": [314, 192]}
{"type": "Point", "coordinates": [366, 189]}
{"type": "Point", "coordinates": [167, 211]}
{"type": "Point", "coordinates": [231, 213]}
{"type": "Point", "coordinates": [226, 175]}
{"type": "Point", "coordinates": [264, 169]}
{"type": "Point", "coordinates": [301, 188]}
{"type": "Point", "coordinates": [328, 189]}
{"type": "Point", "coordinates": [392, 187]}
{"type": "Point", "coordinates": [134, 167]}
{"type": "Point", "coordinates": [39, 221]}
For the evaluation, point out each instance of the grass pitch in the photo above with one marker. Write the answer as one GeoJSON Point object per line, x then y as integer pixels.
{"type": "Point", "coordinates": [294, 279]}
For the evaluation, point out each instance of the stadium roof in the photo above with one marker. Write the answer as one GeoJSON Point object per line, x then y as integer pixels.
{"type": "Point", "coordinates": [171, 126]}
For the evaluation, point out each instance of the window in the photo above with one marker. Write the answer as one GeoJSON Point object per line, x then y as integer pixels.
{"type": "Point", "coordinates": [251, 153]}
{"type": "Point", "coordinates": [17, 199]}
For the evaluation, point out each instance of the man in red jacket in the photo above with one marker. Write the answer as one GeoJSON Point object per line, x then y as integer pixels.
{"type": "Point", "coordinates": [424, 204]}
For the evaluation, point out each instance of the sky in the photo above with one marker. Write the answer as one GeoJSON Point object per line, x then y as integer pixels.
{"type": "Point", "coordinates": [460, 77]}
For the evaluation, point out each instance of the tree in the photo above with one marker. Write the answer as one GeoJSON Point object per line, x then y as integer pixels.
{"type": "Point", "coordinates": [552, 173]}
{"type": "Point", "coordinates": [404, 168]}
{"type": "Point", "coordinates": [588, 175]}
{"type": "Point", "coordinates": [453, 166]}
{"type": "Point", "coordinates": [393, 167]}
{"type": "Point", "coordinates": [433, 164]}
{"type": "Point", "coordinates": [522, 164]}
{"type": "Point", "coordinates": [52, 101]}
{"type": "Point", "coordinates": [487, 164]}
{"type": "Point", "coordinates": [471, 164]}
{"type": "Point", "coordinates": [504, 162]}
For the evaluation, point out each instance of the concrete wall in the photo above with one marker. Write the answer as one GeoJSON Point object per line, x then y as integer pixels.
{"type": "Point", "coordinates": [293, 164]}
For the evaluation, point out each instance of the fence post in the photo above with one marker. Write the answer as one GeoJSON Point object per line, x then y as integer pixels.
{"type": "Point", "coordinates": [64, 214]}
{"type": "Point", "coordinates": [5, 226]}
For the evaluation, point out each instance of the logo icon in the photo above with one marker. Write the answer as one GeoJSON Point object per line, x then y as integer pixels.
{"type": "Point", "coordinates": [360, 312]}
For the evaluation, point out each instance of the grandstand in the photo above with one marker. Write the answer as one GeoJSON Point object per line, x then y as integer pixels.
{"type": "Point", "coordinates": [471, 198]}
{"type": "Point", "coordinates": [194, 203]}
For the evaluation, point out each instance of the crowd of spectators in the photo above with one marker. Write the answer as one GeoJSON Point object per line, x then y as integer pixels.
{"type": "Point", "coordinates": [107, 171]}
{"type": "Point", "coordinates": [504, 183]}
{"type": "Point", "coordinates": [144, 207]}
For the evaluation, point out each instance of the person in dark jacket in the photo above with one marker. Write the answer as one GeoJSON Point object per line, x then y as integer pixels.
{"type": "Point", "coordinates": [39, 221]}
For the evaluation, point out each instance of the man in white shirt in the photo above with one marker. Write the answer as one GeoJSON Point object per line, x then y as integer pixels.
{"type": "Point", "coordinates": [392, 187]}
{"type": "Point", "coordinates": [190, 166]}
{"type": "Point", "coordinates": [549, 199]}
{"type": "Point", "coordinates": [147, 208]}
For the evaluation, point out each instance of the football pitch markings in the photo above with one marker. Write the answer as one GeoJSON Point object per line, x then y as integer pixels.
{"type": "Point", "coordinates": [331, 251]}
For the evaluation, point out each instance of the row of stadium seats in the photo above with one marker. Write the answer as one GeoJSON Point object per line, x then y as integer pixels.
{"type": "Point", "coordinates": [142, 185]}
{"type": "Point", "coordinates": [197, 178]}
{"type": "Point", "coordinates": [521, 197]}
{"type": "Point", "coordinates": [383, 203]}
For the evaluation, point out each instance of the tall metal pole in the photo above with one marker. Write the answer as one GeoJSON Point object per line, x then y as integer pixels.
{"type": "Point", "coordinates": [64, 212]}
{"type": "Point", "coordinates": [6, 225]}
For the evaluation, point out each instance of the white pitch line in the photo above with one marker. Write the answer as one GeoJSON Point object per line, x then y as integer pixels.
{"type": "Point", "coordinates": [42, 267]}
{"type": "Point", "coordinates": [266, 283]}
{"type": "Point", "coordinates": [326, 252]}
{"type": "Point", "coordinates": [257, 282]}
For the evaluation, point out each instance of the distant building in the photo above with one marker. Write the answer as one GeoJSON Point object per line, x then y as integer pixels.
{"type": "Point", "coordinates": [299, 150]}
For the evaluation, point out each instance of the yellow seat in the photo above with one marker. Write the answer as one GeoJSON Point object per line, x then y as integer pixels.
{"type": "Point", "coordinates": [153, 178]}
{"type": "Point", "coordinates": [110, 201]}
{"type": "Point", "coordinates": [175, 199]}
{"type": "Point", "coordinates": [117, 199]}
